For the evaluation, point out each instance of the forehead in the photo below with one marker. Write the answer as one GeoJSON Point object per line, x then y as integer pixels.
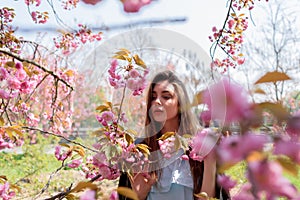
{"type": "Point", "coordinates": [164, 86]}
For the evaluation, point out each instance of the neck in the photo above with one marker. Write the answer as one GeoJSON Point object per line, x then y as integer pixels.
{"type": "Point", "coordinates": [170, 125]}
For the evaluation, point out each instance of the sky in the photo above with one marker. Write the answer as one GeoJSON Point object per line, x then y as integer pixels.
{"type": "Point", "coordinates": [201, 16]}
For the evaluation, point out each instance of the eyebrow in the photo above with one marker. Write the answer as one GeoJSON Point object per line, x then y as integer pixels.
{"type": "Point", "coordinates": [164, 92]}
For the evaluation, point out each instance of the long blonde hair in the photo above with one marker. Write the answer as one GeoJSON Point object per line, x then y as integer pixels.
{"type": "Point", "coordinates": [186, 119]}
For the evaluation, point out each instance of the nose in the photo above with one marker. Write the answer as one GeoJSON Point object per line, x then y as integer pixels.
{"type": "Point", "coordinates": [157, 101]}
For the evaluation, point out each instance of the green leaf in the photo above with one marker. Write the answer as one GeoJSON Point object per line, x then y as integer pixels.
{"type": "Point", "coordinates": [273, 77]}
{"type": "Point", "coordinates": [127, 192]}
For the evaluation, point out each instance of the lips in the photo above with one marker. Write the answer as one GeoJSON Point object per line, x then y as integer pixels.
{"type": "Point", "coordinates": [158, 110]}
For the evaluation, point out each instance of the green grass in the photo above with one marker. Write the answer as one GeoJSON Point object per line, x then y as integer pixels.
{"type": "Point", "coordinates": [237, 172]}
{"type": "Point", "coordinates": [30, 170]}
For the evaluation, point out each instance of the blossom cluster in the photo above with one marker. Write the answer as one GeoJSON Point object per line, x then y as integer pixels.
{"type": "Point", "coordinates": [167, 146]}
{"type": "Point", "coordinates": [117, 143]}
{"type": "Point", "coordinates": [69, 42]}
{"type": "Point", "coordinates": [14, 80]}
{"type": "Point", "coordinates": [6, 193]}
{"type": "Point", "coordinates": [99, 166]}
{"type": "Point", "coordinates": [203, 143]}
{"type": "Point", "coordinates": [73, 153]}
{"type": "Point", "coordinates": [9, 41]}
{"type": "Point", "coordinates": [230, 37]}
{"type": "Point", "coordinates": [227, 102]}
{"type": "Point", "coordinates": [39, 17]}
{"type": "Point", "coordinates": [132, 74]}
{"type": "Point", "coordinates": [22, 83]}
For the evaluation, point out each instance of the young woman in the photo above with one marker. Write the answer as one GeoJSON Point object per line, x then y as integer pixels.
{"type": "Point", "coordinates": [168, 110]}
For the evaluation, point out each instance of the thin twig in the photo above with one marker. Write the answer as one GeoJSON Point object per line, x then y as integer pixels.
{"type": "Point", "coordinates": [49, 180]}
{"type": "Point", "coordinates": [60, 136]}
{"type": "Point", "coordinates": [121, 104]}
{"type": "Point", "coordinates": [214, 47]}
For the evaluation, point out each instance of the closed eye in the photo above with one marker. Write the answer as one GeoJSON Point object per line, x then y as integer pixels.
{"type": "Point", "coordinates": [167, 97]}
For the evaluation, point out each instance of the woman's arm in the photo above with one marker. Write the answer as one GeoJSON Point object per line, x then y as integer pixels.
{"type": "Point", "coordinates": [209, 176]}
{"type": "Point", "coordinates": [141, 183]}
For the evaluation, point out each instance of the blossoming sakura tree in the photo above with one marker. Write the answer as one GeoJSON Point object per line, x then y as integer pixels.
{"type": "Point", "coordinates": [36, 94]}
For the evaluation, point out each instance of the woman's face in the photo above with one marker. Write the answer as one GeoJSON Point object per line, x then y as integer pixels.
{"type": "Point", "coordinates": [164, 104]}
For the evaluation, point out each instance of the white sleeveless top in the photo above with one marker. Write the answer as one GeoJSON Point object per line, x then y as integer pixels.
{"type": "Point", "coordinates": [176, 181]}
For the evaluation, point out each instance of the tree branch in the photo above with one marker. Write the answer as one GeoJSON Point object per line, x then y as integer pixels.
{"type": "Point", "coordinates": [37, 65]}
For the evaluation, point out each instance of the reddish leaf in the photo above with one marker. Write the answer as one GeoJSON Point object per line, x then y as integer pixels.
{"type": "Point", "coordinates": [273, 77]}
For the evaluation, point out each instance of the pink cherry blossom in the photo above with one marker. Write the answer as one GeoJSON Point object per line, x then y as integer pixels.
{"type": "Point", "coordinates": [267, 177]}
{"type": "Point", "coordinates": [4, 143]}
{"type": "Point", "coordinates": [134, 5]}
{"type": "Point", "coordinates": [226, 182]}
{"type": "Point", "coordinates": [134, 73]}
{"type": "Point", "coordinates": [61, 156]}
{"type": "Point", "coordinates": [230, 23]}
{"type": "Point", "coordinates": [88, 195]}
{"type": "Point", "coordinates": [3, 73]}
{"type": "Point", "coordinates": [21, 74]}
{"type": "Point", "coordinates": [245, 192]}
{"type": "Point", "coordinates": [93, 2]}
{"type": "Point", "coordinates": [114, 195]}
{"type": "Point", "coordinates": [167, 146]}
{"type": "Point", "coordinates": [4, 94]}
{"type": "Point", "coordinates": [107, 116]}
{"type": "Point", "coordinates": [203, 143]}
{"type": "Point", "coordinates": [227, 101]}
{"type": "Point", "coordinates": [293, 127]}
{"type": "Point", "coordinates": [205, 118]}
{"type": "Point", "coordinates": [5, 192]}
{"type": "Point", "coordinates": [132, 84]}
{"type": "Point", "coordinates": [288, 148]}
{"type": "Point", "coordinates": [75, 163]}
{"type": "Point", "coordinates": [235, 148]}
{"type": "Point", "coordinates": [13, 83]}
{"type": "Point", "coordinates": [24, 87]}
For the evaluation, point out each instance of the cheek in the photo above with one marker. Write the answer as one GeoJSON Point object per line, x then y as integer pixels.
{"type": "Point", "coordinates": [172, 110]}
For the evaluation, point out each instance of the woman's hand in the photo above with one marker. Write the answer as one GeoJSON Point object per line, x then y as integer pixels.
{"type": "Point", "coordinates": [141, 183]}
